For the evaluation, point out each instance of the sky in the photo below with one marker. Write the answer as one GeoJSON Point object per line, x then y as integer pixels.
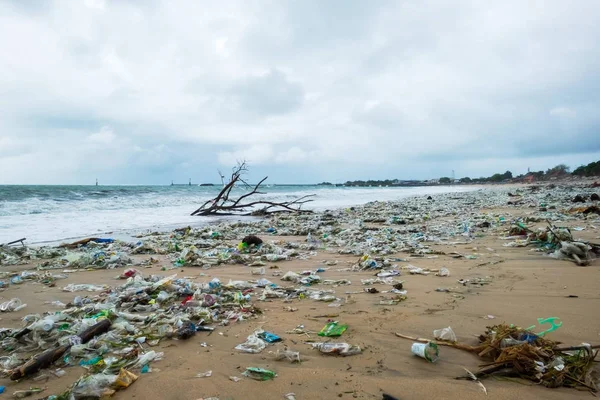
{"type": "Point", "coordinates": [146, 92]}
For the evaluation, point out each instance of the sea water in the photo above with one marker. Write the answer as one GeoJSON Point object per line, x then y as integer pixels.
{"type": "Point", "coordinates": [55, 213]}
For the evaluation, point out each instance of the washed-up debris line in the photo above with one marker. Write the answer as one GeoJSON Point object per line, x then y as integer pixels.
{"type": "Point", "coordinates": [376, 229]}
{"type": "Point", "coordinates": [557, 241]}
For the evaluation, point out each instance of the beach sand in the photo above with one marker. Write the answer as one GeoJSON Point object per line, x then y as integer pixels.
{"type": "Point", "coordinates": [524, 285]}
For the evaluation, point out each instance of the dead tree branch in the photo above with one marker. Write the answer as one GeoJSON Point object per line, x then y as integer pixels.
{"type": "Point", "coordinates": [224, 204]}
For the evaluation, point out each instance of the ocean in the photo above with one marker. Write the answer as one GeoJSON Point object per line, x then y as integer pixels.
{"type": "Point", "coordinates": [50, 214]}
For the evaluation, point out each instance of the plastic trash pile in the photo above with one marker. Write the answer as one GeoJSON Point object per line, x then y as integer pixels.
{"type": "Point", "coordinates": [138, 315]}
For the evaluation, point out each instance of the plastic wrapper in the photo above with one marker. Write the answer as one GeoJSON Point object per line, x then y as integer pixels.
{"type": "Point", "coordinates": [253, 344]}
{"type": "Point", "coordinates": [259, 374]}
{"type": "Point", "coordinates": [333, 329]}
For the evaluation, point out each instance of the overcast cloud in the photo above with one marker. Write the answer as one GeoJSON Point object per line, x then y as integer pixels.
{"type": "Point", "coordinates": [306, 91]}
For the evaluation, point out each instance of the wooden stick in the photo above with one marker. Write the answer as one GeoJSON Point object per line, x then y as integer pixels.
{"type": "Point", "coordinates": [77, 243]}
{"type": "Point", "coordinates": [16, 241]}
{"type": "Point", "coordinates": [581, 383]}
{"type": "Point", "coordinates": [45, 359]}
{"type": "Point", "coordinates": [576, 348]}
{"type": "Point", "coordinates": [441, 343]}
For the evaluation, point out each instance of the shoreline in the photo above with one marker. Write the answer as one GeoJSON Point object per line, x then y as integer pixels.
{"type": "Point", "coordinates": [460, 231]}
{"type": "Point", "coordinates": [146, 218]}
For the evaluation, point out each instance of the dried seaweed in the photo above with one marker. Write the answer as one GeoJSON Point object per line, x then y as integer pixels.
{"type": "Point", "coordinates": [514, 351]}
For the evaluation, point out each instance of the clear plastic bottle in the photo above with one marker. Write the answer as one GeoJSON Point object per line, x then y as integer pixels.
{"type": "Point", "coordinates": [343, 349]}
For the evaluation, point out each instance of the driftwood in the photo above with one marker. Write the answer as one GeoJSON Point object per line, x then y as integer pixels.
{"type": "Point", "coordinates": [45, 359]}
{"type": "Point", "coordinates": [78, 243]}
{"type": "Point", "coordinates": [15, 242]}
{"type": "Point", "coordinates": [225, 204]}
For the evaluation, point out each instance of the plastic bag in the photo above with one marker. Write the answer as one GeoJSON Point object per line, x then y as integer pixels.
{"type": "Point", "coordinates": [94, 386]}
{"type": "Point", "coordinates": [9, 362]}
{"type": "Point", "coordinates": [252, 345]}
{"type": "Point", "coordinates": [291, 277]}
{"type": "Point", "coordinates": [240, 285]}
{"type": "Point", "coordinates": [14, 304]}
{"type": "Point", "coordinates": [147, 358]}
{"type": "Point", "coordinates": [443, 272]}
{"type": "Point", "coordinates": [206, 374]}
{"type": "Point", "coordinates": [258, 271]}
{"type": "Point", "coordinates": [285, 354]}
{"type": "Point", "coordinates": [445, 334]}
{"type": "Point", "coordinates": [73, 287]}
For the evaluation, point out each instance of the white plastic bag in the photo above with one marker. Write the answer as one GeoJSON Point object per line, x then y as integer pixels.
{"type": "Point", "coordinates": [445, 334]}
{"type": "Point", "coordinates": [253, 345]}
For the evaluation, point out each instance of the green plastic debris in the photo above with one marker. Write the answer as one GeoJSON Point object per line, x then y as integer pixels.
{"type": "Point", "coordinates": [92, 361]}
{"type": "Point", "coordinates": [550, 320]}
{"type": "Point", "coordinates": [332, 329]}
{"type": "Point", "coordinates": [259, 374]}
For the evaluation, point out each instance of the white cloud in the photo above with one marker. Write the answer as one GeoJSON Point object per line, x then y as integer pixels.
{"type": "Point", "coordinates": [293, 155]}
{"type": "Point", "coordinates": [352, 87]}
{"type": "Point", "coordinates": [104, 136]}
{"type": "Point", "coordinates": [256, 154]}
{"type": "Point", "coordinates": [563, 112]}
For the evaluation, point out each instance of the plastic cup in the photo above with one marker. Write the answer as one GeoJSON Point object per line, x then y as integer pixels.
{"type": "Point", "coordinates": [258, 271]}
{"type": "Point", "coordinates": [428, 351]}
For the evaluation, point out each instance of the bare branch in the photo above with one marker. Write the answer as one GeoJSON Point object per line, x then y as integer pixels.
{"type": "Point", "coordinates": [222, 204]}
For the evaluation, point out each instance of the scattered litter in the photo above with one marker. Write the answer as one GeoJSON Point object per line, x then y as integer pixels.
{"type": "Point", "coordinates": [428, 351]}
{"type": "Point", "coordinates": [253, 344]}
{"type": "Point", "coordinates": [12, 305]}
{"type": "Point", "coordinates": [285, 354]}
{"type": "Point", "coordinates": [333, 329]}
{"type": "Point", "coordinates": [342, 349]}
{"type": "Point", "coordinates": [259, 374]}
{"type": "Point", "coordinates": [445, 334]}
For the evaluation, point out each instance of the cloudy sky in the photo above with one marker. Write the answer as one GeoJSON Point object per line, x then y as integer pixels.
{"type": "Point", "coordinates": [150, 91]}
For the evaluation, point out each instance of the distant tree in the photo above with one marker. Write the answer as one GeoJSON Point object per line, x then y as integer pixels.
{"type": "Point", "coordinates": [496, 178]}
{"type": "Point", "coordinates": [559, 170]}
{"type": "Point", "coordinates": [466, 179]}
{"type": "Point", "coordinates": [445, 179]}
{"type": "Point", "coordinates": [538, 174]}
{"type": "Point", "coordinates": [592, 169]}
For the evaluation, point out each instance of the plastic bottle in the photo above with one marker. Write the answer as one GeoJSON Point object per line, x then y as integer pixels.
{"type": "Point", "coordinates": [45, 324]}
{"type": "Point", "coordinates": [342, 349]}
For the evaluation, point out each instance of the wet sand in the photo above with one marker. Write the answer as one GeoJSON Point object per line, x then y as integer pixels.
{"type": "Point", "coordinates": [524, 285]}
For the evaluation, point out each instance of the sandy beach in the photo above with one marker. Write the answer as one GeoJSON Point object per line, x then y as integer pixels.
{"type": "Point", "coordinates": [505, 284]}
